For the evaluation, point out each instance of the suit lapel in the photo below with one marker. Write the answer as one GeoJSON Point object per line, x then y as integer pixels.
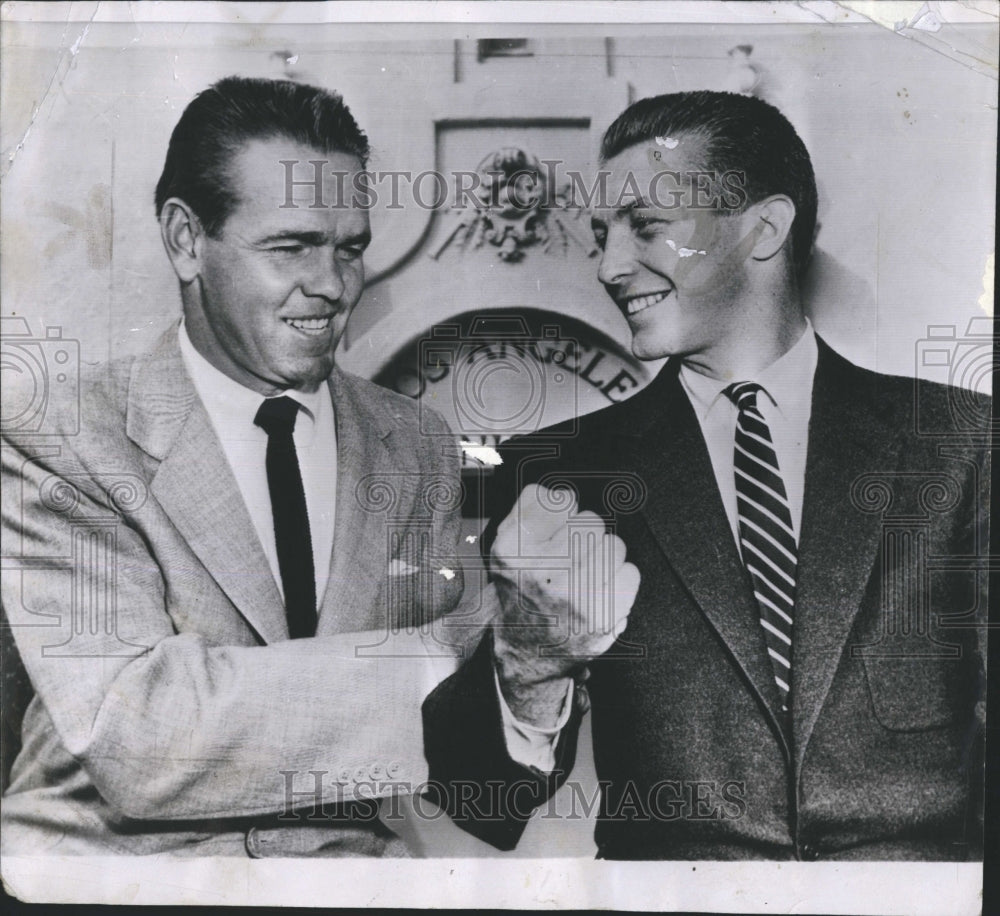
{"type": "Point", "coordinates": [196, 488]}
{"type": "Point", "coordinates": [361, 552]}
{"type": "Point", "coordinates": [685, 513]}
{"type": "Point", "coordinates": [838, 543]}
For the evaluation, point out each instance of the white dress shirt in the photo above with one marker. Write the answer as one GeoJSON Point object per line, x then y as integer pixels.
{"type": "Point", "coordinates": [231, 407]}
{"type": "Point", "coordinates": [530, 745]}
{"type": "Point", "coordinates": [786, 408]}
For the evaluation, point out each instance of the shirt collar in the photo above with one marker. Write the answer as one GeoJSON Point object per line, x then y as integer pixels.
{"type": "Point", "coordinates": [225, 398]}
{"type": "Point", "coordinates": [788, 381]}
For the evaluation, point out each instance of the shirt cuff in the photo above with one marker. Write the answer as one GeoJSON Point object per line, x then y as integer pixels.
{"type": "Point", "coordinates": [530, 745]}
{"type": "Point", "coordinates": [435, 669]}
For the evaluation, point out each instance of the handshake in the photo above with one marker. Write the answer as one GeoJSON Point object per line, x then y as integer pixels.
{"type": "Point", "coordinates": [565, 593]}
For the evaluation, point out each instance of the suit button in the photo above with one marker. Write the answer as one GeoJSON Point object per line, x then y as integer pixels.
{"type": "Point", "coordinates": [344, 776]}
{"type": "Point", "coordinates": [377, 772]}
{"type": "Point", "coordinates": [361, 774]}
{"type": "Point", "coordinates": [252, 844]}
{"type": "Point", "coordinates": [808, 853]}
{"type": "Point", "coordinates": [394, 769]}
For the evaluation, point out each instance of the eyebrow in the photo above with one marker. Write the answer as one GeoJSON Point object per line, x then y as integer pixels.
{"type": "Point", "coordinates": [623, 210]}
{"type": "Point", "coordinates": [313, 238]}
{"type": "Point", "coordinates": [637, 204]}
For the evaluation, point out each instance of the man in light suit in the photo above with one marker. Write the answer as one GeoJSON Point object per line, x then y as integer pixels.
{"type": "Point", "coordinates": [219, 577]}
{"type": "Point", "coordinates": [801, 674]}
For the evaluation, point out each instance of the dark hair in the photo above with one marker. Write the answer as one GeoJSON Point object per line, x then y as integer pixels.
{"type": "Point", "coordinates": [743, 134]}
{"type": "Point", "coordinates": [232, 112]}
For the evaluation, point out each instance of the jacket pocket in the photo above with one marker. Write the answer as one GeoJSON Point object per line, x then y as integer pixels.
{"type": "Point", "coordinates": [914, 694]}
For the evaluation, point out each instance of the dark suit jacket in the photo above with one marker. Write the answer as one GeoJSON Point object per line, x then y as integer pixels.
{"type": "Point", "coordinates": [880, 756]}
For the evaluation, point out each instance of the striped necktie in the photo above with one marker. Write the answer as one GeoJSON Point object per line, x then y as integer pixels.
{"type": "Point", "coordinates": [767, 539]}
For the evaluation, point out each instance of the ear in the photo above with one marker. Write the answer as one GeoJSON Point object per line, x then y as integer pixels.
{"type": "Point", "coordinates": [183, 237]}
{"type": "Point", "coordinates": [776, 215]}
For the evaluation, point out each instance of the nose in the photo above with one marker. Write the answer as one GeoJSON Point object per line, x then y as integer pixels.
{"type": "Point", "coordinates": [326, 279]}
{"type": "Point", "coordinates": [618, 257]}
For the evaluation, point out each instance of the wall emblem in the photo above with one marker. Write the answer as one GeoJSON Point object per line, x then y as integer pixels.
{"type": "Point", "coordinates": [513, 204]}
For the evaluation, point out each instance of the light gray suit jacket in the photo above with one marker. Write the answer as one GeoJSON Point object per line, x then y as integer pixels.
{"type": "Point", "coordinates": [171, 711]}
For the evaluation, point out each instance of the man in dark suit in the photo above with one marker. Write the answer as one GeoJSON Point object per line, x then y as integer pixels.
{"type": "Point", "coordinates": [801, 673]}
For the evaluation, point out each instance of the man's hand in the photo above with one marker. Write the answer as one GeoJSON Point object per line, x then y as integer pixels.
{"type": "Point", "coordinates": [565, 592]}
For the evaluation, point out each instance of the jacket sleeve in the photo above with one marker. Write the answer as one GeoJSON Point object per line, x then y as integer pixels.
{"type": "Point", "coordinates": [472, 776]}
{"type": "Point", "coordinates": [167, 722]}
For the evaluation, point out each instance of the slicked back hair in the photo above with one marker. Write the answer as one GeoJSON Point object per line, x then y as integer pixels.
{"type": "Point", "coordinates": [742, 134]}
{"type": "Point", "coordinates": [222, 119]}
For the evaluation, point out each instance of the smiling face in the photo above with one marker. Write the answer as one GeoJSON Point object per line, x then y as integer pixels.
{"type": "Point", "coordinates": [272, 294]}
{"type": "Point", "coordinates": [675, 260]}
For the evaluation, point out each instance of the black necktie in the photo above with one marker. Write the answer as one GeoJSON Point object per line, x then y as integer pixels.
{"type": "Point", "coordinates": [276, 417]}
{"type": "Point", "coordinates": [770, 552]}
